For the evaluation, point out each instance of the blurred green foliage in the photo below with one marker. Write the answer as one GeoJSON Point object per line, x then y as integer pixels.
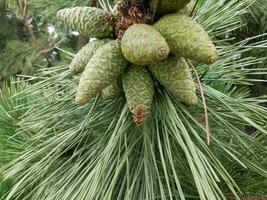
{"type": "Point", "coordinates": [29, 39]}
{"type": "Point", "coordinates": [18, 57]}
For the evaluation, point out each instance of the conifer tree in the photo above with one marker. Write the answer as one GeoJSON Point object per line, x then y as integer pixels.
{"type": "Point", "coordinates": [155, 144]}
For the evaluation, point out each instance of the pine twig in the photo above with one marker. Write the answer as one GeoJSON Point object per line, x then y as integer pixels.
{"type": "Point", "coordinates": [203, 101]}
{"type": "Point", "coordinates": [35, 42]}
{"type": "Point", "coordinates": [23, 9]}
{"type": "Point", "coordinates": [50, 47]}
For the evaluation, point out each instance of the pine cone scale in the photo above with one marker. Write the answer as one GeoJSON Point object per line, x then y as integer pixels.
{"type": "Point", "coordinates": [174, 74]}
{"type": "Point", "coordinates": [94, 22]}
{"type": "Point", "coordinates": [143, 45]}
{"type": "Point", "coordinates": [186, 38]}
{"type": "Point", "coordinates": [104, 67]}
{"type": "Point", "coordinates": [139, 90]}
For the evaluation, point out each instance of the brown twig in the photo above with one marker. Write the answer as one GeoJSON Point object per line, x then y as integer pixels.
{"type": "Point", "coordinates": [203, 101]}
{"type": "Point", "coordinates": [50, 47]}
{"type": "Point", "coordinates": [36, 44]}
{"type": "Point", "coordinates": [3, 5]}
{"type": "Point", "coordinates": [23, 10]}
{"type": "Point", "coordinates": [201, 89]}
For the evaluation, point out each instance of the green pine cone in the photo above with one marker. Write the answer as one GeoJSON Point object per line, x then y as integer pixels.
{"type": "Point", "coordinates": [142, 45]}
{"type": "Point", "coordinates": [174, 74]}
{"type": "Point", "coordinates": [188, 8]}
{"type": "Point", "coordinates": [167, 6]}
{"type": "Point", "coordinates": [139, 90]}
{"type": "Point", "coordinates": [84, 55]}
{"type": "Point", "coordinates": [104, 67]}
{"type": "Point", "coordinates": [94, 22]}
{"type": "Point", "coordinates": [186, 38]}
{"type": "Point", "coordinates": [113, 90]}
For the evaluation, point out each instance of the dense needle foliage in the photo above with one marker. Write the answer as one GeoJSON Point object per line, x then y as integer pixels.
{"type": "Point", "coordinates": [11, 143]}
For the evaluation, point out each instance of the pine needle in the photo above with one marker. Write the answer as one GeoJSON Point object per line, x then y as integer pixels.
{"type": "Point", "coordinates": [203, 101]}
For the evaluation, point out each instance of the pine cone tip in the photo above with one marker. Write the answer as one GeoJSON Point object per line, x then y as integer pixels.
{"type": "Point", "coordinates": [139, 116]}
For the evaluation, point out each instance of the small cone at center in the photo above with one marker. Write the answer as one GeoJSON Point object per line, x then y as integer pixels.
{"type": "Point", "coordinates": [139, 90]}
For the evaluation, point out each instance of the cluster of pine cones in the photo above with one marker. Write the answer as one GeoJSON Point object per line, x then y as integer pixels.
{"type": "Point", "coordinates": [113, 65]}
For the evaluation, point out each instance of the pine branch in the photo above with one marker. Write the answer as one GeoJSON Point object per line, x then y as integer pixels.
{"type": "Point", "coordinates": [96, 152]}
